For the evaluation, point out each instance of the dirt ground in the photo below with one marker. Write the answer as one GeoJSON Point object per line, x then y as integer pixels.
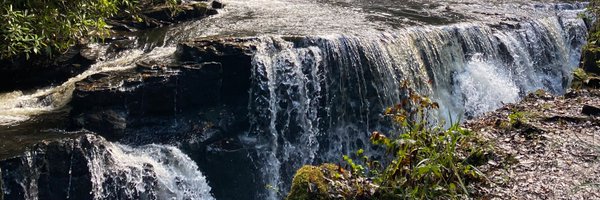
{"type": "Point", "coordinates": [546, 147]}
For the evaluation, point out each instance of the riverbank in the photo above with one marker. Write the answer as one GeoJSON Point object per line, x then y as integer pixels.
{"type": "Point", "coordinates": [543, 147]}
{"type": "Point", "coordinates": [547, 147]}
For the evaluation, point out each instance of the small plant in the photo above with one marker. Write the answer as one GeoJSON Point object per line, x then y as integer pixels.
{"type": "Point", "coordinates": [517, 117]}
{"type": "Point", "coordinates": [425, 160]}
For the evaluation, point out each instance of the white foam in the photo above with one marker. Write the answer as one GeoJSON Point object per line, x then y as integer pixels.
{"type": "Point", "coordinates": [159, 171]}
{"type": "Point", "coordinates": [485, 87]}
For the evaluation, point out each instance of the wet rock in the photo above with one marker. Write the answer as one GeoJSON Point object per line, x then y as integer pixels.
{"type": "Point", "coordinates": [197, 102]}
{"type": "Point", "coordinates": [593, 82]}
{"type": "Point", "coordinates": [217, 5]}
{"type": "Point", "coordinates": [86, 166]}
{"type": "Point", "coordinates": [208, 75]}
{"type": "Point", "coordinates": [39, 71]}
{"type": "Point", "coordinates": [235, 57]}
{"type": "Point", "coordinates": [143, 92]}
{"type": "Point", "coordinates": [51, 169]}
{"type": "Point", "coordinates": [590, 110]}
{"type": "Point", "coordinates": [159, 15]}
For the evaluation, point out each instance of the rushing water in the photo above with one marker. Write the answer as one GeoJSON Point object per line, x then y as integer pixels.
{"type": "Point", "coordinates": [319, 94]}
{"type": "Point", "coordinates": [115, 172]}
{"type": "Point", "coordinates": [146, 172]}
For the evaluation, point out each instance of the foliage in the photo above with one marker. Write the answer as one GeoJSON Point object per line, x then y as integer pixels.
{"type": "Point", "coordinates": [427, 161]}
{"type": "Point", "coordinates": [50, 26]}
{"type": "Point", "coordinates": [517, 117]}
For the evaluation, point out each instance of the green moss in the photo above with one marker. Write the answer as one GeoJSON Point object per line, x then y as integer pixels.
{"type": "Point", "coordinates": [580, 77]}
{"type": "Point", "coordinates": [517, 117]}
{"type": "Point", "coordinates": [309, 183]}
{"type": "Point", "coordinates": [200, 5]}
{"type": "Point", "coordinates": [591, 51]}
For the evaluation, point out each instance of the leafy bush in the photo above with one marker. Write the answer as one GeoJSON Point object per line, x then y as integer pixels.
{"type": "Point", "coordinates": [425, 161]}
{"type": "Point", "coordinates": [50, 26]}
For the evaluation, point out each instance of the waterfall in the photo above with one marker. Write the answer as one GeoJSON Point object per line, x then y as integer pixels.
{"type": "Point", "coordinates": [146, 172]}
{"type": "Point", "coordinates": [323, 95]}
{"type": "Point", "coordinates": [89, 167]}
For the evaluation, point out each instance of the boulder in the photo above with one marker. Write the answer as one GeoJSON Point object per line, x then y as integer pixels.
{"type": "Point", "coordinates": [217, 5]}
{"type": "Point", "coordinates": [330, 181]}
{"type": "Point", "coordinates": [590, 110]}
{"type": "Point", "coordinates": [309, 183]}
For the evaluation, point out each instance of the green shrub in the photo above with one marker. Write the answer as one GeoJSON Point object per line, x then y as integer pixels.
{"type": "Point", "coordinates": [51, 26]}
{"type": "Point", "coordinates": [427, 160]}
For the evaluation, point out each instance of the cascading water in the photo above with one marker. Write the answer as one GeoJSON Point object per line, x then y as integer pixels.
{"type": "Point", "coordinates": [324, 95]}
{"type": "Point", "coordinates": [146, 172]}
{"type": "Point", "coordinates": [479, 76]}
{"type": "Point", "coordinates": [109, 171]}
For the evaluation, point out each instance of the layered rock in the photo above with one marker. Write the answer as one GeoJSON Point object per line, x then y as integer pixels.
{"type": "Point", "coordinates": [197, 102]}
{"type": "Point", "coordinates": [51, 169]}
{"type": "Point", "coordinates": [25, 73]}
{"type": "Point", "coordinates": [208, 82]}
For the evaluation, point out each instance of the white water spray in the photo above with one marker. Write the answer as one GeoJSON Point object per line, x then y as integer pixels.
{"type": "Point", "coordinates": [150, 171]}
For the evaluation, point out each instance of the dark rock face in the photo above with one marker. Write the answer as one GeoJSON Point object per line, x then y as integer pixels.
{"type": "Point", "coordinates": [199, 103]}
{"type": "Point", "coordinates": [39, 71]}
{"type": "Point", "coordinates": [50, 170]}
{"type": "Point", "coordinates": [590, 110]}
{"type": "Point", "coordinates": [209, 82]}
{"type": "Point", "coordinates": [217, 5]}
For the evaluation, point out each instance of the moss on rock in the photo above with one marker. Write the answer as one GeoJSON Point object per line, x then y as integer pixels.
{"type": "Point", "coordinates": [308, 183]}
{"type": "Point", "coordinates": [329, 181]}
